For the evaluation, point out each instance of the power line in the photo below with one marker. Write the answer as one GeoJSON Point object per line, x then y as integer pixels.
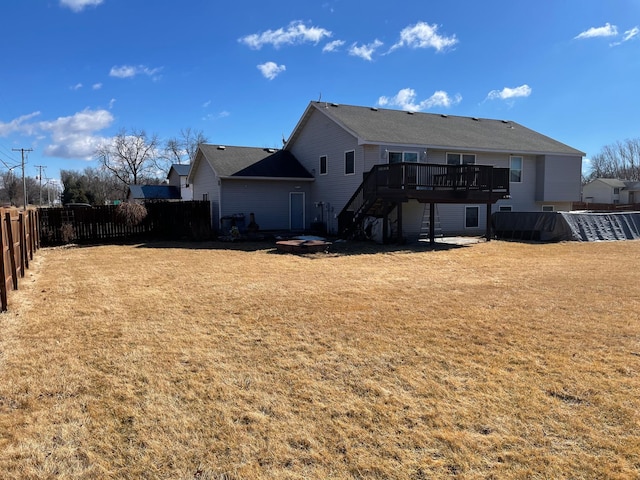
{"type": "Point", "coordinates": [24, 180]}
{"type": "Point", "coordinates": [40, 167]}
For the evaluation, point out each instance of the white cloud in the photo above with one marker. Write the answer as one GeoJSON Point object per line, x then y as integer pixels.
{"type": "Point", "coordinates": [70, 137]}
{"type": "Point", "coordinates": [406, 100]}
{"type": "Point", "coordinates": [365, 51]}
{"type": "Point", "coordinates": [271, 70]}
{"type": "Point", "coordinates": [423, 35]}
{"type": "Point", "coordinates": [333, 46]}
{"type": "Point", "coordinates": [508, 93]}
{"type": "Point", "coordinates": [73, 136]}
{"type": "Point", "coordinates": [295, 33]}
{"type": "Point", "coordinates": [129, 71]}
{"type": "Point", "coordinates": [19, 125]}
{"type": "Point", "coordinates": [77, 86]}
{"type": "Point", "coordinates": [607, 31]}
{"type": "Point", "coordinates": [630, 34]}
{"type": "Point", "coordinates": [112, 102]}
{"type": "Point", "coordinates": [206, 104]}
{"type": "Point", "coordinates": [79, 5]}
{"type": "Point", "coordinates": [96, 86]}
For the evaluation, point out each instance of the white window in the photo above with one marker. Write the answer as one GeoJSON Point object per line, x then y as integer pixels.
{"type": "Point", "coordinates": [397, 157]}
{"type": "Point", "coordinates": [461, 159]}
{"type": "Point", "coordinates": [515, 167]}
{"type": "Point", "coordinates": [350, 162]}
{"type": "Point", "coordinates": [410, 157]}
{"type": "Point", "coordinates": [323, 165]}
{"type": "Point", "coordinates": [472, 217]}
{"type": "Point", "coordinates": [505, 208]}
{"type": "Point", "coordinates": [548, 208]}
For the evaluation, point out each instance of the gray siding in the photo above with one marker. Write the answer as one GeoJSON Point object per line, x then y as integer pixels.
{"type": "Point", "coordinates": [558, 178]}
{"type": "Point", "coordinates": [205, 182]}
{"type": "Point", "coordinates": [321, 136]}
{"type": "Point", "coordinates": [267, 200]}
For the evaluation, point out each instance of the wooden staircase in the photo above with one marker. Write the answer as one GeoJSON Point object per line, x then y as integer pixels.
{"type": "Point", "coordinates": [425, 227]}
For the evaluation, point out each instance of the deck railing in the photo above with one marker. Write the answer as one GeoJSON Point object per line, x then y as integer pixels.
{"type": "Point", "coordinates": [386, 178]}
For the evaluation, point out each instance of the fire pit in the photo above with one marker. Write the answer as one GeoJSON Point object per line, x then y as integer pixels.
{"type": "Point", "coordinates": [302, 246]}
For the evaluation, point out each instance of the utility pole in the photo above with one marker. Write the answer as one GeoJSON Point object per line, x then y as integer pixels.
{"type": "Point", "coordinates": [40, 177]}
{"type": "Point", "coordinates": [24, 181]}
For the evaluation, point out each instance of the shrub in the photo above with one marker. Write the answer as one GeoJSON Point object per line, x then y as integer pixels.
{"type": "Point", "coordinates": [131, 214]}
{"type": "Point", "coordinates": [67, 232]}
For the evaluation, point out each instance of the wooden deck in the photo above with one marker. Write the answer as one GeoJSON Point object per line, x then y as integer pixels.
{"type": "Point", "coordinates": [387, 186]}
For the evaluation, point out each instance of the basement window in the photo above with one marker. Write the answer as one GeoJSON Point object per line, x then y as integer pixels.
{"type": "Point", "coordinates": [505, 208]}
{"type": "Point", "coordinates": [548, 208]}
{"type": "Point", "coordinates": [472, 217]}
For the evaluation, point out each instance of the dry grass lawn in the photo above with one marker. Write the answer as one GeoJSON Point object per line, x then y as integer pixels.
{"type": "Point", "coordinates": [214, 361]}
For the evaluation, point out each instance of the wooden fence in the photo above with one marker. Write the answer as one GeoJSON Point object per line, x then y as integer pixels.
{"type": "Point", "coordinates": [104, 224]}
{"type": "Point", "coordinates": [19, 240]}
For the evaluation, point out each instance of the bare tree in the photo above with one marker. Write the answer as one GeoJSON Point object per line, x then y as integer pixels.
{"type": "Point", "coordinates": [619, 160]}
{"type": "Point", "coordinates": [130, 157]}
{"type": "Point", "coordinates": [181, 149]}
{"type": "Point", "coordinates": [11, 188]}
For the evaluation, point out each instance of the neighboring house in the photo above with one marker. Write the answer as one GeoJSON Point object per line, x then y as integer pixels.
{"type": "Point", "coordinates": [453, 170]}
{"type": "Point", "coordinates": [142, 193]}
{"type": "Point", "coordinates": [177, 177]}
{"type": "Point", "coordinates": [267, 182]}
{"type": "Point", "coordinates": [611, 191]}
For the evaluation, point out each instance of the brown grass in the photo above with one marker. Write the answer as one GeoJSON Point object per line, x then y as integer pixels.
{"type": "Point", "coordinates": [499, 360]}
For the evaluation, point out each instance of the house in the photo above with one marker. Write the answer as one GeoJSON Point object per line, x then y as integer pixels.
{"type": "Point", "coordinates": [611, 191]}
{"type": "Point", "coordinates": [267, 182]}
{"type": "Point", "coordinates": [405, 167]}
{"type": "Point", "coordinates": [177, 177]}
{"type": "Point", "coordinates": [143, 193]}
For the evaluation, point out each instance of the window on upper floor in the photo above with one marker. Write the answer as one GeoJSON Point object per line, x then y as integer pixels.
{"type": "Point", "coordinates": [461, 159]}
{"type": "Point", "coordinates": [350, 162]}
{"type": "Point", "coordinates": [616, 190]}
{"type": "Point", "coordinates": [515, 169]}
{"type": "Point", "coordinates": [397, 157]}
{"type": "Point", "coordinates": [323, 165]}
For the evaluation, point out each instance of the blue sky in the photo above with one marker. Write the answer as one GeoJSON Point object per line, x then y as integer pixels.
{"type": "Point", "coordinates": [76, 72]}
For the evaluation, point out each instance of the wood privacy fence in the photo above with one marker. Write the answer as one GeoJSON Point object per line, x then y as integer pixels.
{"type": "Point", "coordinates": [106, 223]}
{"type": "Point", "coordinates": [19, 239]}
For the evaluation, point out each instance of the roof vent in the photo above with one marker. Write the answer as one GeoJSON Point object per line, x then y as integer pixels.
{"type": "Point", "coordinates": [270, 150]}
{"type": "Point", "coordinates": [221, 147]}
{"type": "Point", "coordinates": [505, 121]}
{"type": "Point", "coordinates": [375, 109]}
{"type": "Point", "coordinates": [475, 119]}
{"type": "Point", "coordinates": [334, 104]}
{"type": "Point", "coordinates": [444, 115]}
{"type": "Point", "coordinates": [410, 112]}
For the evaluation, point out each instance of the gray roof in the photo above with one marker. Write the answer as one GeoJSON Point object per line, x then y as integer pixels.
{"type": "Point", "coordinates": [253, 162]}
{"type": "Point", "coordinates": [154, 192]}
{"type": "Point", "coordinates": [612, 182]}
{"type": "Point", "coordinates": [384, 126]}
{"type": "Point", "coordinates": [182, 169]}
